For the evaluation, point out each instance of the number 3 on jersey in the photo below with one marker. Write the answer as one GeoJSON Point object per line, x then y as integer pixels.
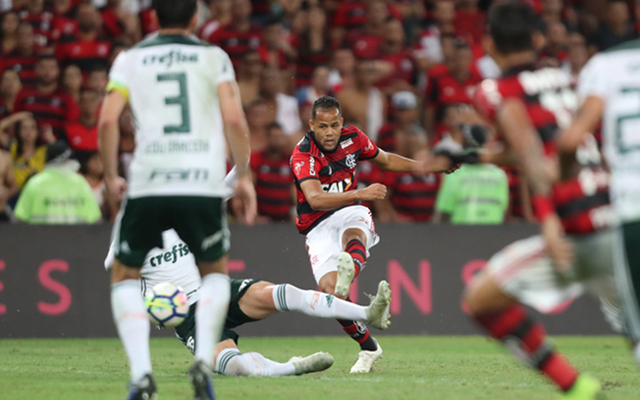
{"type": "Point", "coordinates": [181, 100]}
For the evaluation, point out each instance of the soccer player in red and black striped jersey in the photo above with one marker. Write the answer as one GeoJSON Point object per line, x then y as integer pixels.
{"type": "Point", "coordinates": [339, 232]}
{"type": "Point", "coordinates": [570, 197]}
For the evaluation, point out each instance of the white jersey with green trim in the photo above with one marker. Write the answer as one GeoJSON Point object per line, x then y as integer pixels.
{"type": "Point", "coordinates": [614, 76]}
{"type": "Point", "coordinates": [174, 263]}
{"type": "Point", "coordinates": [171, 82]}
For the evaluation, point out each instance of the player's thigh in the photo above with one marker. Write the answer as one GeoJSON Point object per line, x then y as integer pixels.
{"type": "Point", "coordinates": [323, 247]}
{"type": "Point", "coordinates": [257, 301]}
{"type": "Point", "coordinates": [201, 222]}
{"type": "Point", "coordinates": [357, 218]}
{"type": "Point", "coordinates": [524, 271]}
{"type": "Point", "coordinates": [138, 229]}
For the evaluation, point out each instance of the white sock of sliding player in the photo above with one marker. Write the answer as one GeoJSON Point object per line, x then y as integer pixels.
{"type": "Point", "coordinates": [211, 312]}
{"type": "Point", "coordinates": [130, 317]}
{"type": "Point", "coordinates": [316, 304]}
{"type": "Point", "coordinates": [233, 363]}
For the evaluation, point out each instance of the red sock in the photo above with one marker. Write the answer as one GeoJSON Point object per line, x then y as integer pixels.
{"type": "Point", "coordinates": [359, 254]}
{"type": "Point", "coordinates": [360, 333]}
{"type": "Point", "coordinates": [514, 323]}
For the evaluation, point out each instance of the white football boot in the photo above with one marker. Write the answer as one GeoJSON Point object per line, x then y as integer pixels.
{"type": "Point", "coordinates": [346, 273]}
{"type": "Point", "coordinates": [314, 363]}
{"type": "Point", "coordinates": [378, 311]}
{"type": "Point", "coordinates": [366, 359]}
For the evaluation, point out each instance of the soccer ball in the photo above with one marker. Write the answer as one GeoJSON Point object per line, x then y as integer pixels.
{"type": "Point", "coordinates": [167, 305]}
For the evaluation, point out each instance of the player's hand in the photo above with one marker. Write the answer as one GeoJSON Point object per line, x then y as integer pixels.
{"type": "Point", "coordinates": [427, 163]}
{"type": "Point", "coordinates": [376, 191]}
{"type": "Point", "coordinates": [116, 188]}
{"type": "Point", "coordinates": [247, 208]}
{"type": "Point", "coordinates": [559, 247]}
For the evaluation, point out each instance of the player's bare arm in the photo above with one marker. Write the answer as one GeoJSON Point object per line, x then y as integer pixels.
{"type": "Point", "coordinates": [586, 121]}
{"type": "Point", "coordinates": [320, 200]}
{"type": "Point", "coordinates": [237, 132]}
{"type": "Point", "coordinates": [108, 139]}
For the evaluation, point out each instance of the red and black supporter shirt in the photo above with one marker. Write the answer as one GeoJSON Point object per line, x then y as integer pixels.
{"type": "Point", "coordinates": [43, 24]}
{"type": "Point", "coordinates": [86, 54]}
{"type": "Point", "coordinates": [335, 171]}
{"type": "Point", "coordinates": [55, 109]}
{"type": "Point", "coordinates": [274, 179]}
{"type": "Point", "coordinates": [308, 60]}
{"type": "Point", "coordinates": [81, 137]}
{"type": "Point", "coordinates": [236, 43]}
{"type": "Point", "coordinates": [111, 24]}
{"type": "Point", "coordinates": [413, 196]}
{"type": "Point", "coordinates": [582, 202]}
{"type": "Point", "coordinates": [24, 66]}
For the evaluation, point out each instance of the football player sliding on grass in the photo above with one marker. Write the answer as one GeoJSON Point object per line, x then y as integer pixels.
{"type": "Point", "coordinates": [251, 301]}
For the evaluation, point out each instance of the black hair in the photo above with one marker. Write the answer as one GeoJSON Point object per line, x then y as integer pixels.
{"type": "Point", "coordinates": [175, 13]}
{"type": "Point", "coordinates": [325, 103]}
{"type": "Point", "coordinates": [45, 57]}
{"type": "Point", "coordinates": [511, 26]}
{"type": "Point", "coordinates": [83, 158]}
{"type": "Point", "coordinates": [272, 20]}
{"type": "Point", "coordinates": [273, 125]}
{"type": "Point", "coordinates": [98, 68]}
{"type": "Point", "coordinates": [19, 141]}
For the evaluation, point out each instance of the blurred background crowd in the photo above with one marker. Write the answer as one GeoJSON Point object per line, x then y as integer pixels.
{"type": "Point", "coordinates": [402, 70]}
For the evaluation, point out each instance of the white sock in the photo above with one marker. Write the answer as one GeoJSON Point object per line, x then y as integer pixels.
{"type": "Point", "coordinates": [132, 322]}
{"type": "Point", "coordinates": [233, 363]}
{"type": "Point", "coordinates": [211, 313]}
{"type": "Point", "coordinates": [636, 352]}
{"type": "Point", "coordinates": [316, 304]}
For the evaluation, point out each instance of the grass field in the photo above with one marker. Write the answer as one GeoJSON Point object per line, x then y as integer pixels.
{"type": "Point", "coordinates": [413, 367]}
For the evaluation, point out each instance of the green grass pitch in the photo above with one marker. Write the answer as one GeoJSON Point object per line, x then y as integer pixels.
{"type": "Point", "coordinates": [413, 367]}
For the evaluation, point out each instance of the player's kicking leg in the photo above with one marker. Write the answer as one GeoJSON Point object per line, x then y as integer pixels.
{"type": "Point", "coordinates": [522, 273]}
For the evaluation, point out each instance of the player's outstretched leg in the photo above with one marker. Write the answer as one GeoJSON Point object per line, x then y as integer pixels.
{"type": "Point", "coordinates": [234, 363]}
{"type": "Point", "coordinates": [287, 297]}
{"type": "Point", "coordinates": [132, 322]}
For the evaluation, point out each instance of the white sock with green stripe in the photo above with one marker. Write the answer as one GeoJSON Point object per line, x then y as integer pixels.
{"type": "Point", "coordinates": [316, 304]}
{"type": "Point", "coordinates": [132, 322]}
{"type": "Point", "coordinates": [233, 363]}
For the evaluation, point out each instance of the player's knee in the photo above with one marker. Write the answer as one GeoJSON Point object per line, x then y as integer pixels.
{"type": "Point", "coordinates": [327, 284]}
{"type": "Point", "coordinates": [353, 234]}
{"type": "Point", "coordinates": [484, 295]}
{"type": "Point", "coordinates": [120, 272]}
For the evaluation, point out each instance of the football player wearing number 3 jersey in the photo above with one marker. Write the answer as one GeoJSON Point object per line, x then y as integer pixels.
{"type": "Point", "coordinates": [570, 196]}
{"type": "Point", "coordinates": [339, 232]}
{"type": "Point", "coordinates": [184, 96]}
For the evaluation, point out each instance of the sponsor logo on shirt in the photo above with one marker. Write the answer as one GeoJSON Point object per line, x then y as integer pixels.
{"type": "Point", "coordinates": [168, 59]}
{"type": "Point", "coordinates": [177, 251]}
{"type": "Point", "coordinates": [337, 187]}
{"type": "Point", "coordinates": [312, 166]}
{"type": "Point", "coordinates": [346, 143]}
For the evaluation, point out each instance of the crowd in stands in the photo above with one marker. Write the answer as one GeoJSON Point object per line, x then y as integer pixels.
{"type": "Point", "coordinates": [402, 70]}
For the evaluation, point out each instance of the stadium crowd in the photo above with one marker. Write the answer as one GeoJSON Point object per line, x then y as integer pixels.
{"type": "Point", "coordinates": [403, 71]}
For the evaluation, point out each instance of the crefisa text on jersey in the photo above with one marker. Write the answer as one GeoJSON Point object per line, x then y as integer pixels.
{"type": "Point", "coordinates": [174, 56]}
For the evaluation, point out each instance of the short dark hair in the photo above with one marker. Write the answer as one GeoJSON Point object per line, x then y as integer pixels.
{"type": "Point", "coordinates": [325, 103]}
{"type": "Point", "coordinates": [273, 125]}
{"type": "Point", "coordinates": [511, 26]}
{"type": "Point", "coordinates": [45, 57]}
{"type": "Point", "coordinates": [175, 13]}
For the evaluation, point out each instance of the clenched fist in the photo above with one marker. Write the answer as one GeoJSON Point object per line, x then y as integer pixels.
{"type": "Point", "coordinates": [373, 192]}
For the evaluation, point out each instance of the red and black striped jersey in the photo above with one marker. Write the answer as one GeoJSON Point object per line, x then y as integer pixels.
{"type": "Point", "coordinates": [413, 196]}
{"type": "Point", "coordinates": [42, 23]}
{"type": "Point", "coordinates": [55, 109]}
{"type": "Point", "coordinates": [582, 202]}
{"type": "Point", "coordinates": [236, 43]}
{"type": "Point", "coordinates": [335, 170]}
{"type": "Point", "coordinates": [86, 54]}
{"type": "Point", "coordinates": [25, 66]}
{"type": "Point", "coordinates": [274, 179]}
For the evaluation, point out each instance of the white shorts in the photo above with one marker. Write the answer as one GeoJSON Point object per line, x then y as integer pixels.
{"type": "Point", "coordinates": [324, 242]}
{"type": "Point", "coordinates": [525, 271]}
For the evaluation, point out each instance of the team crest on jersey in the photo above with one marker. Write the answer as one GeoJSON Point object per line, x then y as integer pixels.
{"type": "Point", "coordinates": [298, 166]}
{"type": "Point", "coordinates": [351, 161]}
{"type": "Point", "coordinates": [346, 143]}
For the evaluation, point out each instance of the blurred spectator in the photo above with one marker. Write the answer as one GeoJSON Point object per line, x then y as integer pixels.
{"type": "Point", "coordinates": [148, 20]}
{"type": "Point", "coordinates": [428, 51]}
{"type": "Point", "coordinates": [319, 87]}
{"type": "Point", "coordinates": [274, 48]}
{"type": "Point", "coordinates": [85, 49]}
{"type": "Point", "coordinates": [97, 80]}
{"type": "Point", "coordinates": [23, 58]}
{"type": "Point", "coordinates": [313, 46]}
{"type": "Point", "coordinates": [393, 136]}
{"type": "Point", "coordinates": [366, 40]}
{"type": "Point", "coordinates": [363, 103]}
{"type": "Point", "coordinates": [220, 11]}
{"type": "Point", "coordinates": [10, 86]}
{"type": "Point", "coordinates": [402, 73]}
{"type": "Point", "coordinates": [116, 48]}
{"type": "Point", "coordinates": [470, 22]}
{"type": "Point", "coordinates": [72, 81]}
{"type": "Point", "coordinates": [49, 105]}
{"type": "Point", "coordinates": [452, 88]}
{"type": "Point", "coordinates": [615, 28]}
{"type": "Point", "coordinates": [412, 197]}
{"type": "Point", "coordinates": [8, 187]}
{"type": "Point", "coordinates": [577, 56]}
{"type": "Point", "coordinates": [28, 157]}
{"type": "Point", "coordinates": [58, 195]}
{"type": "Point", "coordinates": [555, 50]}
{"type": "Point", "coordinates": [118, 23]}
{"type": "Point", "coordinates": [257, 119]}
{"type": "Point", "coordinates": [240, 36]}
{"type": "Point", "coordinates": [353, 14]}
{"type": "Point", "coordinates": [273, 177]}
{"type": "Point", "coordinates": [92, 169]}
{"type": "Point", "coordinates": [66, 8]}
{"type": "Point", "coordinates": [82, 135]}
{"type": "Point", "coordinates": [343, 67]}
{"type": "Point", "coordinates": [551, 11]}
{"type": "Point", "coordinates": [65, 23]}
{"type": "Point", "coordinates": [249, 75]}
{"type": "Point", "coordinates": [41, 20]}
{"type": "Point", "coordinates": [281, 107]}
{"type": "Point", "coordinates": [9, 32]}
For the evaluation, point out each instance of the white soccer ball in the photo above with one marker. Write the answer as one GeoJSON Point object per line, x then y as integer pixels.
{"type": "Point", "coordinates": [167, 305]}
